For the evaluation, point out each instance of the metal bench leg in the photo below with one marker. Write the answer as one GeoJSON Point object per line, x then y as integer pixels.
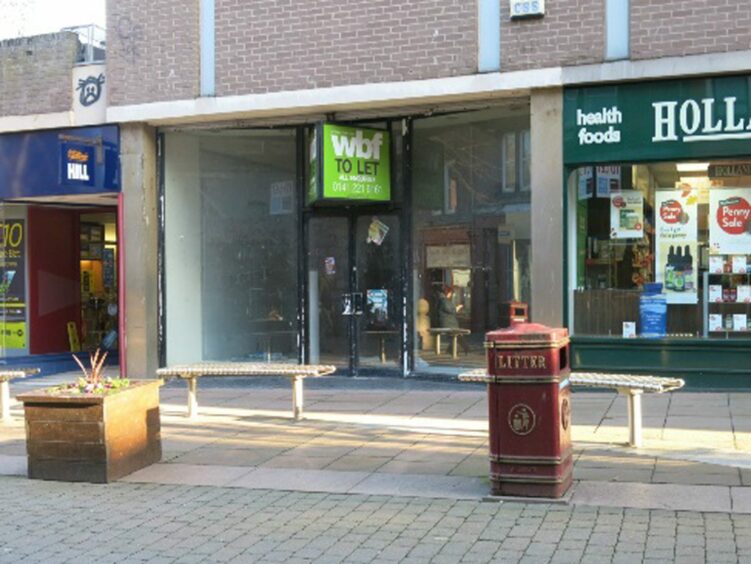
{"type": "Point", "coordinates": [297, 401]}
{"type": "Point", "coordinates": [454, 347]}
{"type": "Point", "coordinates": [437, 344]}
{"type": "Point", "coordinates": [5, 401]}
{"type": "Point", "coordinates": [192, 397]}
{"type": "Point", "coordinates": [634, 418]}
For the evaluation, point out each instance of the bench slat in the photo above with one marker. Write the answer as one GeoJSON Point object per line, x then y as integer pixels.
{"type": "Point", "coordinates": [243, 369]}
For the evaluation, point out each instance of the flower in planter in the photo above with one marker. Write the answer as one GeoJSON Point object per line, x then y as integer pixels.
{"type": "Point", "coordinates": [92, 381]}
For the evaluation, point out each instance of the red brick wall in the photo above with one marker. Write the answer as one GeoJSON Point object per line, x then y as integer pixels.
{"type": "Point", "coordinates": [152, 50]}
{"type": "Point", "coordinates": [571, 33]}
{"type": "Point", "coordinates": [274, 45]}
{"type": "Point", "coordinates": [662, 28]}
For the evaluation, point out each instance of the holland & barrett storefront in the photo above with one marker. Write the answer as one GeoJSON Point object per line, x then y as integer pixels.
{"type": "Point", "coordinates": [659, 227]}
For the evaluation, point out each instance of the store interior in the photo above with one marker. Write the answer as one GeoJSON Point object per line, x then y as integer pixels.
{"type": "Point", "coordinates": [701, 271]}
{"type": "Point", "coordinates": [62, 278]}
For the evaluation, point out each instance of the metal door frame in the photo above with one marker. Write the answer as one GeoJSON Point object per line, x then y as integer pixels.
{"type": "Point", "coordinates": [351, 214]}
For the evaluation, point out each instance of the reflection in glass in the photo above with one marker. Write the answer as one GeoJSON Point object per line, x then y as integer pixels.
{"type": "Point", "coordinates": [471, 205]}
{"type": "Point", "coordinates": [231, 246]}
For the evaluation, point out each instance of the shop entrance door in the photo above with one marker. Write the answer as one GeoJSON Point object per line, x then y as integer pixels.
{"type": "Point", "coordinates": [355, 306]}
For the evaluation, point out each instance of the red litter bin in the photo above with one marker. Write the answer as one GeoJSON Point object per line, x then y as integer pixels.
{"type": "Point", "coordinates": [529, 403]}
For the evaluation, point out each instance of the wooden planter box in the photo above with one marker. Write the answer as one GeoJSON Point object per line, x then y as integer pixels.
{"type": "Point", "coordinates": [89, 437]}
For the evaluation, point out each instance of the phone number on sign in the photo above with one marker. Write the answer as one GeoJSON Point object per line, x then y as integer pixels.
{"type": "Point", "coordinates": [355, 188]}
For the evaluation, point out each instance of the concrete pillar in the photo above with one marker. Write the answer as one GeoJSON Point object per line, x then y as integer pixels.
{"type": "Point", "coordinates": [138, 160]}
{"type": "Point", "coordinates": [547, 207]}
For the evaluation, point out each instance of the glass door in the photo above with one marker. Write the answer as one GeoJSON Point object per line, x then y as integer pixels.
{"type": "Point", "coordinates": [355, 292]}
{"type": "Point", "coordinates": [379, 281]}
{"type": "Point", "coordinates": [328, 285]}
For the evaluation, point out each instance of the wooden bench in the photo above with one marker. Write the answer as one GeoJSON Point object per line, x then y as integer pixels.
{"type": "Point", "coordinates": [5, 377]}
{"type": "Point", "coordinates": [297, 372]}
{"type": "Point", "coordinates": [631, 385]}
{"type": "Point", "coordinates": [453, 332]}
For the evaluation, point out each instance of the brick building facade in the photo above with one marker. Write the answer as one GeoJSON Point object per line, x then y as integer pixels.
{"type": "Point", "coordinates": [36, 74]}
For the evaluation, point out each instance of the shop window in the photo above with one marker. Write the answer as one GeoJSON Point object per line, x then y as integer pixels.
{"type": "Point", "coordinates": [231, 246]}
{"type": "Point", "coordinates": [662, 250]}
{"type": "Point", "coordinates": [471, 232]}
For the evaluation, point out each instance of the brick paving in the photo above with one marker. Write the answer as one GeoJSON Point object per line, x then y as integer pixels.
{"type": "Point", "coordinates": [365, 478]}
{"type": "Point", "coordinates": [54, 522]}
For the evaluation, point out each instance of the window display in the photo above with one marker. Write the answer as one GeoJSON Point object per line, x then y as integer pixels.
{"type": "Point", "coordinates": [662, 250]}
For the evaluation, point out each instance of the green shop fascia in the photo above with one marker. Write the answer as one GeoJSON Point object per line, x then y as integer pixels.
{"type": "Point", "coordinates": [658, 276]}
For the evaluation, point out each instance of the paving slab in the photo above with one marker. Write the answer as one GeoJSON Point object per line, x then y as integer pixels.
{"type": "Point", "coordinates": [423, 486]}
{"type": "Point", "coordinates": [12, 465]}
{"type": "Point", "coordinates": [187, 474]}
{"type": "Point", "coordinates": [289, 479]}
{"type": "Point", "coordinates": [653, 496]}
{"type": "Point", "coordinates": [741, 498]}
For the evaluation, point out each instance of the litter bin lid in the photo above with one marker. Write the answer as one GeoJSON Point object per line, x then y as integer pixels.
{"type": "Point", "coordinates": [527, 334]}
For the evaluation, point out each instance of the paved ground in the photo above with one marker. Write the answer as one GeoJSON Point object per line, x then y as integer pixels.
{"type": "Point", "coordinates": [52, 522]}
{"type": "Point", "coordinates": [392, 470]}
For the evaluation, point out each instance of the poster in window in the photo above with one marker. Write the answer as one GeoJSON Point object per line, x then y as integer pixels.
{"type": "Point", "coordinates": [676, 234]}
{"type": "Point", "coordinates": [13, 284]}
{"type": "Point", "coordinates": [281, 198]}
{"type": "Point", "coordinates": [586, 182]}
{"type": "Point", "coordinates": [378, 307]}
{"type": "Point", "coordinates": [627, 215]}
{"type": "Point", "coordinates": [730, 221]}
{"type": "Point", "coordinates": [608, 180]}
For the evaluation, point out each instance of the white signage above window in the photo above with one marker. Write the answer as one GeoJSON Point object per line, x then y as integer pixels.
{"type": "Point", "coordinates": [527, 9]}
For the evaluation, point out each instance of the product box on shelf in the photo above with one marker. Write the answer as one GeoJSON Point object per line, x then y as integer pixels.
{"type": "Point", "coordinates": [740, 322]}
{"type": "Point", "coordinates": [744, 293]}
{"type": "Point", "coordinates": [715, 322]}
{"type": "Point", "coordinates": [716, 264]}
{"type": "Point", "coordinates": [715, 293]}
{"type": "Point", "coordinates": [739, 264]}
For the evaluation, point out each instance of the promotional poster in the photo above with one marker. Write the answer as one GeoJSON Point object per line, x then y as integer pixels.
{"type": "Point", "coordinates": [13, 284]}
{"type": "Point", "coordinates": [729, 221]}
{"type": "Point", "coordinates": [676, 233]}
{"type": "Point", "coordinates": [627, 215]}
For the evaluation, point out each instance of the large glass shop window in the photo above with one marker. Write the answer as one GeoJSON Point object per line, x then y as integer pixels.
{"type": "Point", "coordinates": [663, 250]}
{"type": "Point", "coordinates": [231, 246]}
{"type": "Point", "coordinates": [471, 233]}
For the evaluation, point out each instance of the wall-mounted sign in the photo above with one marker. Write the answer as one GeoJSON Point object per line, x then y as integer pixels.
{"type": "Point", "coordinates": [729, 170]}
{"type": "Point", "coordinates": [89, 94]}
{"type": "Point", "coordinates": [663, 120]}
{"type": "Point", "coordinates": [77, 164]}
{"type": "Point", "coordinates": [349, 164]}
{"type": "Point", "coordinates": [527, 9]}
{"type": "Point", "coordinates": [37, 163]}
{"type": "Point", "coordinates": [447, 256]}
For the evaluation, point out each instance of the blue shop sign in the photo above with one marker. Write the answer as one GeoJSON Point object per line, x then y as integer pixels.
{"type": "Point", "coordinates": [84, 160]}
{"type": "Point", "coordinates": [78, 164]}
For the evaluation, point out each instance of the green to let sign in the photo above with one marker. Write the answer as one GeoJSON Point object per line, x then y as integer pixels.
{"type": "Point", "coordinates": [350, 163]}
{"type": "Point", "coordinates": [658, 120]}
